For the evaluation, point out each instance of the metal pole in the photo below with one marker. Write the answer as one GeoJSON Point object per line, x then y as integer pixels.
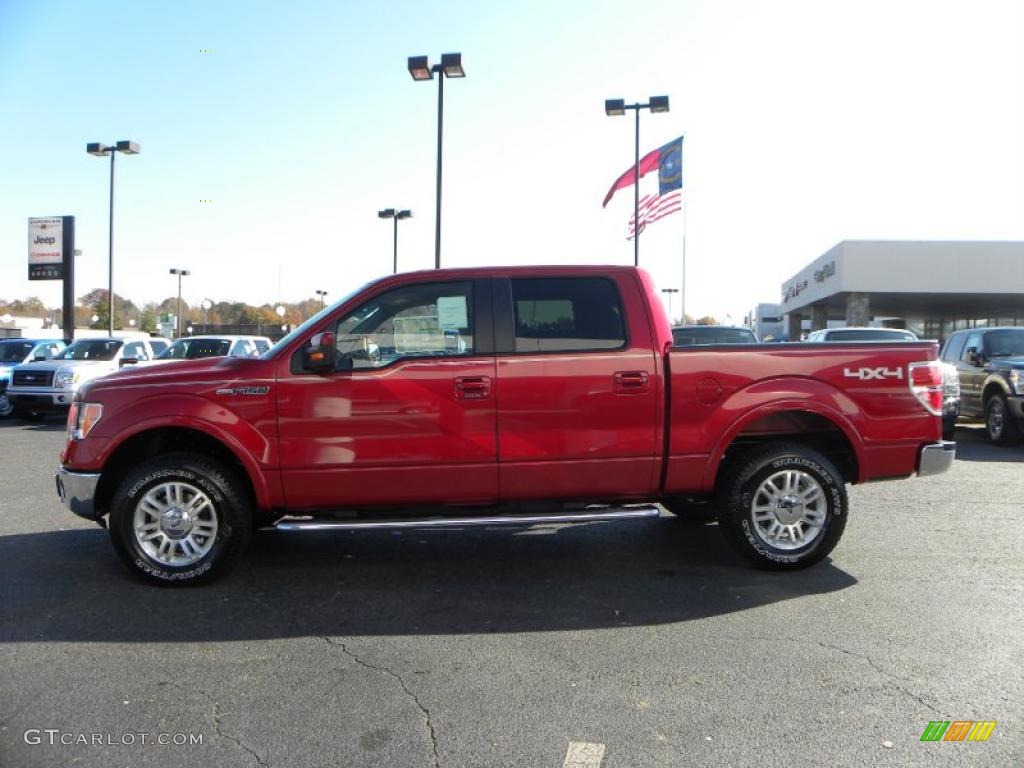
{"type": "Point", "coordinates": [179, 305]}
{"type": "Point", "coordinates": [636, 193]}
{"type": "Point", "coordinates": [440, 119]}
{"type": "Point", "coordinates": [395, 272]}
{"type": "Point", "coordinates": [110, 254]}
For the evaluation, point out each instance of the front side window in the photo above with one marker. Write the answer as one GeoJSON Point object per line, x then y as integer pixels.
{"type": "Point", "coordinates": [567, 315]}
{"type": "Point", "coordinates": [426, 320]}
{"type": "Point", "coordinates": [136, 351]}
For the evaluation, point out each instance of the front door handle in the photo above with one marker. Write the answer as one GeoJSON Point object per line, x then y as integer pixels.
{"type": "Point", "coordinates": [631, 382]}
{"type": "Point", "coordinates": [472, 387]}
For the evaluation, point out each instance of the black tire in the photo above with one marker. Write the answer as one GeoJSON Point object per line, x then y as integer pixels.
{"type": "Point", "coordinates": [230, 506]}
{"type": "Point", "coordinates": [742, 487]}
{"type": "Point", "coordinates": [27, 414]}
{"type": "Point", "coordinates": [691, 510]}
{"type": "Point", "coordinates": [1000, 425]}
{"type": "Point", "coordinates": [6, 407]}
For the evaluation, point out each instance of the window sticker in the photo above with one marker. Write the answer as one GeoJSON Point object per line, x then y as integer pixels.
{"type": "Point", "coordinates": [452, 314]}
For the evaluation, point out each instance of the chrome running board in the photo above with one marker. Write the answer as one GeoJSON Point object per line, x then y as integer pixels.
{"type": "Point", "coordinates": [326, 524]}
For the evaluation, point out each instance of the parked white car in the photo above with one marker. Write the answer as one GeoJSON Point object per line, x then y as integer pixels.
{"type": "Point", "coordinates": [861, 334]}
{"type": "Point", "coordinates": [49, 386]}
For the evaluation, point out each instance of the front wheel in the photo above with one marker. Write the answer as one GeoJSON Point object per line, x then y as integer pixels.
{"type": "Point", "coordinates": [6, 407]}
{"type": "Point", "coordinates": [180, 519]}
{"type": "Point", "coordinates": [783, 506]}
{"type": "Point", "coordinates": [1000, 426]}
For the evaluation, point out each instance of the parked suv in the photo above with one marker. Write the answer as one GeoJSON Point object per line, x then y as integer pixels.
{"type": "Point", "coordinates": [48, 386]}
{"type": "Point", "coordinates": [990, 364]}
{"type": "Point", "coordinates": [17, 351]}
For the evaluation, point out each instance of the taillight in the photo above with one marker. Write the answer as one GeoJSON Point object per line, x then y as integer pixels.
{"type": "Point", "coordinates": [926, 384]}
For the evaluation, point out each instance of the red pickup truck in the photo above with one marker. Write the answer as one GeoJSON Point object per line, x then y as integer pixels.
{"type": "Point", "coordinates": [495, 395]}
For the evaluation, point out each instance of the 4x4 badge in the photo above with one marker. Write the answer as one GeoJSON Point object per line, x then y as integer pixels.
{"type": "Point", "coordinates": [868, 374]}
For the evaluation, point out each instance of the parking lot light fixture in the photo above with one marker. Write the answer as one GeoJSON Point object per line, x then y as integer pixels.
{"type": "Point", "coordinates": [321, 294]}
{"type": "Point", "coordinates": [180, 273]}
{"type": "Point", "coordinates": [396, 215]}
{"type": "Point", "coordinates": [97, 149]}
{"type": "Point", "coordinates": [615, 108]}
{"type": "Point", "coordinates": [421, 69]}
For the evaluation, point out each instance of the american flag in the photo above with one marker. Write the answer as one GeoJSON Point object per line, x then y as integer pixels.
{"type": "Point", "coordinates": [654, 207]}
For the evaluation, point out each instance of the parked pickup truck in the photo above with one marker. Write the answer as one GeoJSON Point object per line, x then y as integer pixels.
{"type": "Point", "coordinates": [48, 386]}
{"type": "Point", "coordinates": [495, 395]}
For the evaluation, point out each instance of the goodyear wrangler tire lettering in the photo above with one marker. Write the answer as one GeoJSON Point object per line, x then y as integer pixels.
{"type": "Point", "coordinates": [783, 506]}
{"type": "Point", "coordinates": [194, 507]}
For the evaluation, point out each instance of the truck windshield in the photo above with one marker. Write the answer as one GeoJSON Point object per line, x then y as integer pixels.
{"type": "Point", "coordinates": [193, 349]}
{"type": "Point", "coordinates": [92, 349]}
{"type": "Point", "coordinates": [14, 351]}
{"type": "Point", "coordinates": [1006, 343]}
{"type": "Point", "coordinates": [710, 334]}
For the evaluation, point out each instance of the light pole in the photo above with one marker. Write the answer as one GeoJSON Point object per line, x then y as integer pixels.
{"type": "Point", "coordinates": [614, 107]}
{"type": "Point", "coordinates": [180, 273]}
{"type": "Point", "coordinates": [421, 69]}
{"type": "Point", "coordinates": [394, 213]}
{"type": "Point", "coordinates": [99, 150]}
{"type": "Point", "coordinates": [321, 294]}
{"type": "Point", "coordinates": [670, 291]}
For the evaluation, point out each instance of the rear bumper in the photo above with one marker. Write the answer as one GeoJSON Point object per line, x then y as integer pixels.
{"type": "Point", "coordinates": [936, 458]}
{"type": "Point", "coordinates": [77, 491]}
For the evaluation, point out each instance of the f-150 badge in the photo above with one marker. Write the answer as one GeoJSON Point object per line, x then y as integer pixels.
{"type": "Point", "coordinates": [243, 390]}
{"type": "Point", "coordinates": [869, 374]}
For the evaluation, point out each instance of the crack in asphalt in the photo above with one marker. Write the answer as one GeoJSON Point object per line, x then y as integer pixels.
{"type": "Point", "coordinates": [423, 710]}
{"type": "Point", "coordinates": [873, 665]}
{"type": "Point", "coordinates": [216, 716]}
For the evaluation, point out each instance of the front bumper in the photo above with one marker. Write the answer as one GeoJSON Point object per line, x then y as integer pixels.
{"type": "Point", "coordinates": [77, 491]}
{"type": "Point", "coordinates": [1016, 405]}
{"type": "Point", "coordinates": [936, 458]}
{"type": "Point", "coordinates": [42, 400]}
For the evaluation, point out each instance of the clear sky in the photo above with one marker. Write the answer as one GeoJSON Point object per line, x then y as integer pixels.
{"type": "Point", "coordinates": [806, 123]}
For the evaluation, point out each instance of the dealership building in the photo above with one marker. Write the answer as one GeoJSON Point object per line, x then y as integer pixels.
{"type": "Point", "coordinates": [929, 287]}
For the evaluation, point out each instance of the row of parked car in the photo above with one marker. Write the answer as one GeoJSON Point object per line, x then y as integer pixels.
{"type": "Point", "coordinates": [40, 376]}
{"type": "Point", "coordinates": [983, 370]}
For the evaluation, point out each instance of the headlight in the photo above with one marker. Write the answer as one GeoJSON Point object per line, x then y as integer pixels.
{"type": "Point", "coordinates": [82, 418]}
{"type": "Point", "coordinates": [65, 378]}
{"type": "Point", "coordinates": [1016, 379]}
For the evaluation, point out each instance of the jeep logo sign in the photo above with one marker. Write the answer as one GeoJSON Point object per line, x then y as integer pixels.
{"type": "Point", "coordinates": [46, 248]}
{"type": "Point", "coordinates": [872, 374]}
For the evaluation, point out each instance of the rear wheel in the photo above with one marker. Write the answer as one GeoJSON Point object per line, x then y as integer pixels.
{"type": "Point", "coordinates": [180, 519]}
{"type": "Point", "coordinates": [783, 506]}
{"type": "Point", "coordinates": [1000, 426]}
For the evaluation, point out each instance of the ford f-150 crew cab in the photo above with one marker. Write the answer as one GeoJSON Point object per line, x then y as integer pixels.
{"type": "Point", "coordinates": [495, 395]}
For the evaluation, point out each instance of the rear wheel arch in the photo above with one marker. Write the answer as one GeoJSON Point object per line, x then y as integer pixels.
{"type": "Point", "coordinates": [147, 444]}
{"type": "Point", "coordinates": [823, 433]}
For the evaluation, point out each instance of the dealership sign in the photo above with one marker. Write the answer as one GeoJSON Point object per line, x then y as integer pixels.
{"type": "Point", "coordinates": [46, 248]}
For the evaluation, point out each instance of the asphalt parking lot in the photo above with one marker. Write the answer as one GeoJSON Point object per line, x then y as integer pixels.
{"type": "Point", "coordinates": [503, 647]}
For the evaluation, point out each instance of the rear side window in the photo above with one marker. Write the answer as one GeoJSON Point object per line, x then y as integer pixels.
{"type": "Point", "coordinates": [955, 348]}
{"type": "Point", "coordinates": [567, 314]}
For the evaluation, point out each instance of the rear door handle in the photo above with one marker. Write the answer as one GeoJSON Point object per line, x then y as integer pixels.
{"type": "Point", "coordinates": [472, 387]}
{"type": "Point", "coordinates": [631, 382]}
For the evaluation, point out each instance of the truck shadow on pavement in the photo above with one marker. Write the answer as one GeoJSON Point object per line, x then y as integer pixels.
{"type": "Point", "coordinates": [69, 586]}
{"type": "Point", "coordinates": [973, 445]}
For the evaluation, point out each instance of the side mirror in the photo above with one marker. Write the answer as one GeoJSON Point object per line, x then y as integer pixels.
{"type": "Point", "coordinates": [320, 354]}
{"type": "Point", "coordinates": [972, 356]}
{"type": "Point", "coordinates": [39, 358]}
{"type": "Point", "coordinates": [129, 361]}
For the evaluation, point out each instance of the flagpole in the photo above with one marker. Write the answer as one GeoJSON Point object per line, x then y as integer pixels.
{"type": "Point", "coordinates": [636, 194]}
{"type": "Point", "coordinates": [686, 204]}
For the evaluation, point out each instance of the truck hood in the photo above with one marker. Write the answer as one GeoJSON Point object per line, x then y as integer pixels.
{"type": "Point", "coordinates": [1017, 361]}
{"type": "Point", "coordinates": [181, 374]}
{"type": "Point", "coordinates": [57, 365]}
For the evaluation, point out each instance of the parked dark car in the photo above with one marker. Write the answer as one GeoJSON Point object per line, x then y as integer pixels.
{"type": "Point", "coordinates": [695, 335]}
{"type": "Point", "coordinates": [990, 365]}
